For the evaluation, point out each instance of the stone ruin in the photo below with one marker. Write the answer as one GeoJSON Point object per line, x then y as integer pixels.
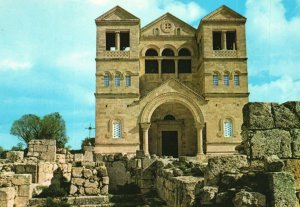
{"type": "Point", "coordinates": [265, 171]}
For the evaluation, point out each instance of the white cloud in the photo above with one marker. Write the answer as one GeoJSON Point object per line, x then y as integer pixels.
{"type": "Point", "coordinates": [281, 90]}
{"type": "Point", "coordinates": [9, 64]}
{"type": "Point", "coordinates": [81, 61]}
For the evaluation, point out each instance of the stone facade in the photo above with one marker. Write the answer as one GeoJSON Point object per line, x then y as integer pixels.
{"type": "Point", "coordinates": [168, 88]}
{"type": "Point", "coordinates": [42, 149]}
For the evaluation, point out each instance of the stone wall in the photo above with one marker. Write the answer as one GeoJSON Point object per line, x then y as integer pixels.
{"type": "Point", "coordinates": [42, 149]}
{"type": "Point", "coordinates": [273, 129]}
{"type": "Point", "coordinates": [15, 190]}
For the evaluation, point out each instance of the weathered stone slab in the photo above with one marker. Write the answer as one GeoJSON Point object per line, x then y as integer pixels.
{"type": "Point", "coordinates": [284, 117]}
{"type": "Point", "coordinates": [249, 199]}
{"type": "Point", "coordinates": [258, 116]}
{"type": "Point", "coordinates": [295, 142]}
{"type": "Point", "coordinates": [208, 195]}
{"type": "Point", "coordinates": [14, 156]}
{"type": "Point", "coordinates": [293, 166]}
{"type": "Point", "coordinates": [77, 172]}
{"type": "Point", "coordinates": [221, 164]}
{"type": "Point", "coordinates": [273, 164]}
{"type": "Point", "coordinates": [282, 189]}
{"type": "Point", "coordinates": [21, 179]}
{"type": "Point", "coordinates": [271, 142]}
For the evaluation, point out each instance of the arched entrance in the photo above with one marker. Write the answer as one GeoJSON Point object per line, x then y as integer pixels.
{"type": "Point", "coordinates": [162, 130]}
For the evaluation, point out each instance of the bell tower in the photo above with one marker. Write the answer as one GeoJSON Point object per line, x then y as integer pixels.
{"type": "Point", "coordinates": [117, 80]}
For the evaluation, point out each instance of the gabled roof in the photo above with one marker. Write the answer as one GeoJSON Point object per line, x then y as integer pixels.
{"type": "Point", "coordinates": [168, 16]}
{"type": "Point", "coordinates": [116, 14]}
{"type": "Point", "coordinates": [223, 13]}
{"type": "Point", "coordinates": [172, 85]}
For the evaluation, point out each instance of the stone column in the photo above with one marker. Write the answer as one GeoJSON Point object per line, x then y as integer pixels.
{"type": "Point", "coordinates": [224, 46]}
{"type": "Point", "coordinates": [117, 41]}
{"type": "Point", "coordinates": [159, 69]}
{"type": "Point", "coordinates": [145, 127]}
{"type": "Point", "coordinates": [176, 68]}
{"type": "Point", "coordinates": [199, 127]}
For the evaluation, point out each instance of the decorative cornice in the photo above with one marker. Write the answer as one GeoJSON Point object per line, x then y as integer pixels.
{"type": "Point", "coordinates": [116, 59]}
{"type": "Point", "coordinates": [117, 95]}
{"type": "Point", "coordinates": [226, 95]}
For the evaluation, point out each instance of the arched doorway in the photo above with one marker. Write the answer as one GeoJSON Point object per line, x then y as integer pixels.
{"type": "Point", "coordinates": [172, 131]}
{"type": "Point", "coordinates": [173, 104]}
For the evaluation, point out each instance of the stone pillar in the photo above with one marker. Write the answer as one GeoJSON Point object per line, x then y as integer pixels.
{"type": "Point", "coordinates": [224, 46]}
{"type": "Point", "coordinates": [159, 69]}
{"type": "Point", "coordinates": [176, 68]}
{"type": "Point", "coordinates": [145, 127]}
{"type": "Point", "coordinates": [117, 41]}
{"type": "Point", "coordinates": [199, 127]}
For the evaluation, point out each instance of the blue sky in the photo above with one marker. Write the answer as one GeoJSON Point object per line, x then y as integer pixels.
{"type": "Point", "coordinates": [47, 51]}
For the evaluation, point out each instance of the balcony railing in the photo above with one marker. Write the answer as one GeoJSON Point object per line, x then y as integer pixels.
{"type": "Point", "coordinates": [117, 54]}
{"type": "Point", "coordinates": [225, 53]}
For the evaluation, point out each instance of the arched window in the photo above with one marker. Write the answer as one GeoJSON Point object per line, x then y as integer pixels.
{"type": "Point", "coordinates": [236, 79]}
{"type": "Point", "coordinates": [168, 65]}
{"type": "Point", "coordinates": [127, 80]}
{"type": "Point", "coordinates": [215, 79]}
{"type": "Point", "coordinates": [228, 128]}
{"type": "Point", "coordinates": [151, 66]}
{"type": "Point", "coordinates": [226, 79]}
{"type": "Point", "coordinates": [169, 117]}
{"type": "Point", "coordinates": [117, 80]}
{"type": "Point", "coordinates": [106, 80]}
{"type": "Point", "coordinates": [184, 65]}
{"type": "Point", "coordinates": [117, 129]}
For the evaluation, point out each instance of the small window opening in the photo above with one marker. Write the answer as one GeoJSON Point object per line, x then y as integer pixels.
{"type": "Point", "coordinates": [117, 130]}
{"type": "Point", "coordinates": [236, 80]}
{"type": "Point", "coordinates": [169, 117]}
{"type": "Point", "coordinates": [167, 52]}
{"type": "Point", "coordinates": [228, 128]}
{"type": "Point", "coordinates": [184, 66]}
{"type": "Point", "coordinates": [217, 40]}
{"type": "Point", "coordinates": [124, 41]}
{"type": "Point", "coordinates": [117, 80]}
{"type": "Point", "coordinates": [106, 80]}
{"type": "Point", "coordinates": [151, 66]}
{"type": "Point", "coordinates": [184, 52]}
{"type": "Point", "coordinates": [167, 66]}
{"type": "Point", "coordinates": [231, 40]}
{"type": "Point", "coordinates": [127, 80]}
{"type": "Point", "coordinates": [226, 80]}
{"type": "Point", "coordinates": [215, 80]}
{"type": "Point", "coordinates": [110, 41]}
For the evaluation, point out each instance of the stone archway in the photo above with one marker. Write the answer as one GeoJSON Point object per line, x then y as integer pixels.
{"type": "Point", "coordinates": [172, 97]}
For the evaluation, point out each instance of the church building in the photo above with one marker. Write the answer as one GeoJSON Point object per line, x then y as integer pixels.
{"type": "Point", "coordinates": [168, 88]}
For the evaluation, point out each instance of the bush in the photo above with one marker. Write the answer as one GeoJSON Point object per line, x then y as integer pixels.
{"type": "Point", "coordinates": [56, 203]}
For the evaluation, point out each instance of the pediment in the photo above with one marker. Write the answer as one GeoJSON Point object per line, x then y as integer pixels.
{"type": "Point", "coordinates": [173, 86]}
{"type": "Point", "coordinates": [168, 25]}
{"type": "Point", "coordinates": [115, 14]}
{"type": "Point", "coordinates": [223, 13]}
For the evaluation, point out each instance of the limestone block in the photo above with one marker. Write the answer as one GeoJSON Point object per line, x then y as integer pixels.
{"type": "Point", "coordinates": [293, 166]}
{"type": "Point", "coordinates": [48, 156]}
{"type": "Point", "coordinates": [295, 142]}
{"type": "Point", "coordinates": [102, 171]}
{"type": "Point", "coordinates": [104, 190]}
{"type": "Point", "coordinates": [273, 164]}
{"type": "Point", "coordinates": [77, 172]}
{"type": "Point", "coordinates": [40, 148]}
{"type": "Point", "coordinates": [21, 179]}
{"type": "Point", "coordinates": [88, 156]}
{"type": "Point", "coordinates": [220, 164]}
{"type": "Point", "coordinates": [78, 181]}
{"type": "Point", "coordinates": [258, 116]}
{"type": "Point", "coordinates": [21, 201]}
{"type": "Point", "coordinates": [87, 173]}
{"type": "Point", "coordinates": [249, 199]}
{"type": "Point", "coordinates": [61, 158]}
{"type": "Point", "coordinates": [14, 156]}
{"type": "Point", "coordinates": [73, 189]}
{"type": "Point", "coordinates": [78, 157]}
{"type": "Point", "coordinates": [105, 180]}
{"type": "Point", "coordinates": [271, 142]}
{"type": "Point", "coordinates": [88, 184]}
{"type": "Point", "coordinates": [284, 117]}
{"type": "Point", "coordinates": [92, 191]}
{"type": "Point", "coordinates": [282, 189]}
{"type": "Point", "coordinates": [230, 179]}
{"type": "Point", "coordinates": [25, 191]}
{"type": "Point", "coordinates": [225, 198]}
{"type": "Point", "coordinates": [7, 193]}
{"type": "Point", "coordinates": [208, 195]}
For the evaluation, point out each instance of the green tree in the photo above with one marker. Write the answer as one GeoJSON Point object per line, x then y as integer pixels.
{"type": "Point", "coordinates": [30, 126]}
